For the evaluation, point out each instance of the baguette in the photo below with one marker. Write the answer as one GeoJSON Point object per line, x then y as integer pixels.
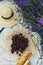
{"type": "Point", "coordinates": [24, 58]}
{"type": "Point", "coordinates": [27, 63]}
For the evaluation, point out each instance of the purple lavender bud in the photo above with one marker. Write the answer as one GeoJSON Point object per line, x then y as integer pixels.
{"type": "Point", "coordinates": [22, 2]}
{"type": "Point", "coordinates": [36, 27]}
{"type": "Point", "coordinates": [41, 2]}
{"type": "Point", "coordinates": [40, 20]}
{"type": "Point", "coordinates": [18, 10]}
{"type": "Point", "coordinates": [39, 27]}
{"type": "Point", "coordinates": [38, 13]}
{"type": "Point", "coordinates": [33, 9]}
{"type": "Point", "coordinates": [33, 30]}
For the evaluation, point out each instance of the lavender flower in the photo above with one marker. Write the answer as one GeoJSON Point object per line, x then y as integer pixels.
{"type": "Point", "coordinates": [41, 2]}
{"type": "Point", "coordinates": [18, 10]}
{"type": "Point", "coordinates": [33, 9]}
{"type": "Point", "coordinates": [38, 13]}
{"type": "Point", "coordinates": [22, 2]}
{"type": "Point", "coordinates": [40, 20]}
{"type": "Point", "coordinates": [36, 27]}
